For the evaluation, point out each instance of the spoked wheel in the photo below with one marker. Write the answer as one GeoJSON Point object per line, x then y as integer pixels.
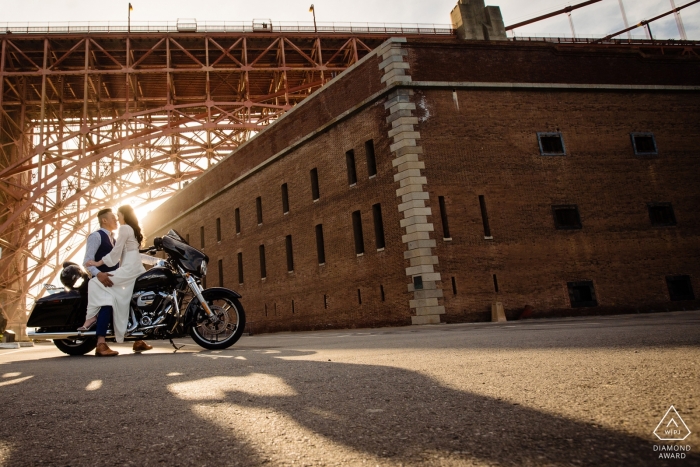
{"type": "Point", "coordinates": [227, 328]}
{"type": "Point", "coordinates": [76, 346]}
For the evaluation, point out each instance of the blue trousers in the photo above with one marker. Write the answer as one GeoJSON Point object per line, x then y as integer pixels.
{"type": "Point", "coordinates": [104, 317]}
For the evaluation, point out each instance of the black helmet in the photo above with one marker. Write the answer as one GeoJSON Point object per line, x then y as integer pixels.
{"type": "Point", "coordinates": [70, 275]}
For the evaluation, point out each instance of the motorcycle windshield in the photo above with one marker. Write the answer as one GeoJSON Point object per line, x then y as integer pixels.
{"type": "Point", "coordinates": [174, 233]}
{"type": "Point", "coordinates": [188, 257]}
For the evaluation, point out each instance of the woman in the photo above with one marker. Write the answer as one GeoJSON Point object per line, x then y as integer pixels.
{"type": "Point", "coordinates": [126, 253]}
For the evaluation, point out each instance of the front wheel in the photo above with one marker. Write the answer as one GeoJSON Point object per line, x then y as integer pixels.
{"type": "Point", "coordinates": [231, 321]}
{"type": "Point", "coordinates": [76, 346]}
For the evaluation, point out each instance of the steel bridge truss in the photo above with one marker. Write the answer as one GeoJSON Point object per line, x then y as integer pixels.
{"type": "Point", "coordinates": [89, 121]}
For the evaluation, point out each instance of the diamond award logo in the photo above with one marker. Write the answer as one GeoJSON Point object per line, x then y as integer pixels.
{"type": "Point", "coordinates": [672, 427]}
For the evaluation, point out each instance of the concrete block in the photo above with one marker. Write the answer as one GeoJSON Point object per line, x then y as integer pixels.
{"type": "Point", "coordinates": [418, 212]}
{"type": "Point", "coordinates": [415, 236]}
{"type": "Point", "coordinates": [411, 165]}
{"type": "Point", "coordinates": [400, 92]}
{"type": "Point", "coordinates": [413, 181]}
{"type": "Point", "coordinates": [395, 100]}
{"type": "Point", "coordinates": [392, 52]}
{"type": "Point", "coordinates": [405, 174]}
{"type": "Point", "coordinates": [408, 150]}
{"type": "Point", "coordinates": [415, 195]}
{"type": "Point", "coordinates": [9, 345]}
{"type": "Point", "coordinates": [417, 252]}
{"type": "Point", "coordinates": [392, 58]}
{"type": "Point", "coordinates": [421, 269]}
{"type": "Point", "coordinates": [435, 276]}
{"type": "Point", "coordinates": [397, 66]}
{"type": "Point", "coordinates": [417, 203]}
{"type": "Point", "coordinates": [424, 260]}
{"type": "Point", "coordinates": [399, 114]}
{"type": "Point", "coordinates": [398, 80]}
{"type": "Point", "coordinates": [400, 129]}
{"type": "Point", "coordinates": [420, 228]}
{"type": "Point", "coordinates": [497, 312]}
{"type": "Point", "coordinates": [423, 294]}
{"type": "Point", "coordinates": [430, 310]}
{"type": "Point", "coordinates": [406, 135]}
{"type": "Point", "coordinates": [403, 159]}
{"type": "Point", "coordinates": [417, 187]}
{"type": "Point", "coordinates": [427, 285]}
{"type": "Point", "coordinates": [404, 121]}
{"type": "Point", "coordinates": [402, 106]}
{"type": "Point", "coordinates": [393, 74]}
{"type": "Point", "coordinates": [425, 319]}
{"type": "Point", "coordinates": [425, 302]}
{"type": "Point", "coordinates": [421, 243]}
{"type": "Point", "coordinates": [414, 220]}
{"type": "Point", "coordinates": [402, 144]}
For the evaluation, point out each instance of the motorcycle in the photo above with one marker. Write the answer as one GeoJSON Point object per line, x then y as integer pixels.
{"type": "Point", "coordinates": [168, 302]}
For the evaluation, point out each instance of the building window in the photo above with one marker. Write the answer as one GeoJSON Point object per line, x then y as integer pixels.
{"type": "Point", "coordinates": [240, 268]}
{"type": "Point", "coordinates": [263, 267]}
{"type": "Point", "coordinates": [201, 236]}
{"type": "Point", "coordinates": [357, 233]}
{"type": "Point", "coordinates": [187, 238]}
{"type": "Point", "coordinates": [680, 288]}
{"type": "Point", "coordinates": [315, 193]}
{"type": "Point", "coordinates": [258, 208]}
{"type": "Point", "coordinates": [495, 283]}
{"type": "Point", "coordinates": [582, 294]}
{"type": "Point", "coordinates": [371, 159]}
{"type": "Point", "coordinates": [484, 217]}
{"type": "Point", "coordinates": [359, 297]}
{"type": "Point", "coordinates": [352, 173]}
{"type": "Point", "coordinates": [551, 144]}
{"type": "Point", "coordinates": [320, 248]}
{"type": "Point", "coordinates": [566, 217]}
{"type": "Point", "coordinates": [381, 292]}
{"type": "Point", "coordinates": [221, 273]}
{"type": "Point", "coordinates": [661, 214]}
{"type": "Point", "coordinates": [443, 216]}
{"type": "Point", "coordinates": [290, 255]}
{"type": "Point", "coordinates": [285, 199]}
{"type": "Point", "coordinates": [218, 229]}
{"type": "Point", "coordinates": [237, 217]}
{"type": "Point", "coordinates": [644, 144]}
{"type": "Point", "coordinates": [378, 226]}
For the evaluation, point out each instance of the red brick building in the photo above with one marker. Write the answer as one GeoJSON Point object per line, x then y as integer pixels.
{"type": "Point", "coordinates": [434, 178]}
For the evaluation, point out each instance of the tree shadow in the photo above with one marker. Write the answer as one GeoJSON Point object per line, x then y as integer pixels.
{"type": "Point", "coordinates": [193, 408]}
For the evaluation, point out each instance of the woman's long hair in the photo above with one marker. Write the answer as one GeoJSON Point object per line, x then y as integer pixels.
{"type": "Point", "coordinates": [131, 220]}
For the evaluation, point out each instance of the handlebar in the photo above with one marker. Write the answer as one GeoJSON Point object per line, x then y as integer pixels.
{"type": "Point", "coordinates": [151, 250]}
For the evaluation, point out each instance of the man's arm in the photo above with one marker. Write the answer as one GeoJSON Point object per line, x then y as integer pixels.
{"type": "Point", "coordinates": [92, 244]}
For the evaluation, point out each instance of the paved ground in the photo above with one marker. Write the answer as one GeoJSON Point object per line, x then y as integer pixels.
{"type": "Point", "coordinates": [545, 392]}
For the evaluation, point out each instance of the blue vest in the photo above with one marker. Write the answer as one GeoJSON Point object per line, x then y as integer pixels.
{"type": "Point", "coordinates": [103, 250]}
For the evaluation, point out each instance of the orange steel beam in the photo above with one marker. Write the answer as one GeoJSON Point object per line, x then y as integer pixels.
{"type": "Point", "coordinates": [92, 120]}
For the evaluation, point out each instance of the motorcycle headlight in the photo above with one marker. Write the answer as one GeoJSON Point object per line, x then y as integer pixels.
{"type": "Point", "coordinates": [203, 268]}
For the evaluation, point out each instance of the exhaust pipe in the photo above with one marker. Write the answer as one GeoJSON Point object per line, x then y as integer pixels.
{"type": "Point", "coordinates": [63, 335]}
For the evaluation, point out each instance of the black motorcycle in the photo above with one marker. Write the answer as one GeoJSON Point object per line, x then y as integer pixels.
{"type": "Point", "coordinates": [168, 302]}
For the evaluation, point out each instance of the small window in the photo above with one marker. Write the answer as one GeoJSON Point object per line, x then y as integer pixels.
{"type": "Point", "coordinates": [352, 173]}
{"type": "Point", "coordinates": [661, 214]}
{"type": "Point", "coordinates": [357, 233]}
{"type": "Point", "coordinates": [680, 288]}
{"type": "Point", "coordinates": [371, 158]}
{"type": "Point", "coordinates": [582, 294]}
{"type": "Point", "coordinates": [187, 238]}
{"type": "Point", "coordinates": [320, 248]}
{"type": "Point", "coordinates": [285, 199]}
{"type": "Point", "coordinates": [258, 207]}
{"type": "Point", "coordinates": [201, 236]}
{"type": "Point", "coordinates": [443, 217]}
{"type": "Point", "coordinates": [378, 226]}
{"type": "Point", "coordinates": [218, 229]}
{"type": "Point", "coordinates": [566, 217]}
{"type": "Point", "coordinates": [290, 255]}
{"type": "Point", "coordinates": [315, 193]}
{"type": "Point", "coordinates": [485, 217]}
{"type": "Point", "coordinates": [221, 273]}
{"type": "Point", "coordinates": [263, 267]}
{"type": "Point", "coordinates": [381, 293]}
{"type": "Point", "coordinates": [240, 268]}
{"type": "Point", "coordinates": [237, 217]}
{"type": "Point", "coordinates": [418, 282]}
{"type": "Point", "coordinates": [551, 144]}
{"type": "Point", "coordinates": [644, 144]}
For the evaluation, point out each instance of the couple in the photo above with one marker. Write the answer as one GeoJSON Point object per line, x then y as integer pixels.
{"type": "Point", "coordinates": [114, 268]}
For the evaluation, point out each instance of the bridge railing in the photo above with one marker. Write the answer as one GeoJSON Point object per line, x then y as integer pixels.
{"type": "Point", "coordinates": [256, 26]}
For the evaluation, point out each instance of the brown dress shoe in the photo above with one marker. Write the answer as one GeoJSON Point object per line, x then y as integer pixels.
{"type": "Point", "coordinates": [140, 346]}
{"type": "Point", "coordinates": [104, 351]}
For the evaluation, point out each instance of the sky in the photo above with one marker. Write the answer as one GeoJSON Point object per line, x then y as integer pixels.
{"type": "Point", "coordinates": [592, 21]}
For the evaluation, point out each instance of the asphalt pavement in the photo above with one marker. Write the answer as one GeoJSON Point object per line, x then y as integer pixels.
{"type": "Point", "coordinates": [556, 392]}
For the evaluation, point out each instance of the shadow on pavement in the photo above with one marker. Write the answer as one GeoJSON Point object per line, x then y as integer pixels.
{"type": "Point", "coordinates": [148, 411]}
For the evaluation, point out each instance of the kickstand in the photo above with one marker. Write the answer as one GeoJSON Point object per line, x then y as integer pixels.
{"type": "Point", "coordinates": [175, 346]}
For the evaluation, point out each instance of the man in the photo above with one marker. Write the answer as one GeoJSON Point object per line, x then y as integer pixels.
{"type": "Point", "coordinates": [99, 244]}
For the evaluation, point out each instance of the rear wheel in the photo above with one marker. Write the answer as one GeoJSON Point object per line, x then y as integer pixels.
{"type": "Point", "coordinates": [225, 332]}
{"type": "Point", "coordinates": [76, 346]}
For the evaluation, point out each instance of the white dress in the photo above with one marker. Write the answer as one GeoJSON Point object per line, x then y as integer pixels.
{"type": "Point", "coordinates": [125, 252]}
